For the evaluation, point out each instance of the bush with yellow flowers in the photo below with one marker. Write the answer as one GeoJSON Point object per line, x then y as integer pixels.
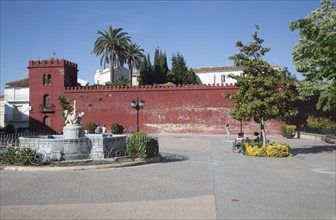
{"type": "Point", "coordinates": [271, 150]}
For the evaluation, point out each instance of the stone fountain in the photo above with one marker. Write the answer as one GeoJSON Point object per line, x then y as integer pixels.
{"type": "Point", "coordinates": [73, 124]}
{"type": "Point", "coordinates": [74, 144]}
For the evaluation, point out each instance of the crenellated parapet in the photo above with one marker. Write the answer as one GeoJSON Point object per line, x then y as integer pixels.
{"type": "Point", "coordinates": [148, 87]}
{"type": "Point", "coordinates": [53, 62]}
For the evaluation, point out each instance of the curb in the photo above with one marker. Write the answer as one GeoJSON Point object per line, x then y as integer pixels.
{"type": "Point", "coordinates": [79, 168]}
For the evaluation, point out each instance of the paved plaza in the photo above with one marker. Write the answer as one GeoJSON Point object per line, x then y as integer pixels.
{"type": "Point", "coordinates": [199, 178]}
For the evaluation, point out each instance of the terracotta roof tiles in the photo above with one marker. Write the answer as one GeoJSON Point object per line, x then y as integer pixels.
{"type": "Point", "coordinates": [19, 83]}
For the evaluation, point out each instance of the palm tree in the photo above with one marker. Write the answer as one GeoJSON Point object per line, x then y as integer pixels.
{"type": "Point", "coordinates": [111, 45]}
{"type": "Point", "coordinates": [134, 56]}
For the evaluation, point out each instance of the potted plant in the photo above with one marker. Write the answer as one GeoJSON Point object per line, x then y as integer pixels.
{"type": "Point", "coordinates": [288, 131]}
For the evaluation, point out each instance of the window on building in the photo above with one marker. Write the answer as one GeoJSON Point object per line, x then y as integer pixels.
{"type": "Point", "coordinates": [46, 101]}
{"type": "Point", "coordinates": [45, 79]}
{"type": "Point", "coordinates": [49, 79]}
{"type": "Point", "coordinates": [222, 78]}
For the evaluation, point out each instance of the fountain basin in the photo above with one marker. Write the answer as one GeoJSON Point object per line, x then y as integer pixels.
{"type": "Point", "coordinates": [97, 146]}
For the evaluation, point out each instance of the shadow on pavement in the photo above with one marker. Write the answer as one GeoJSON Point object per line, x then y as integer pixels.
{"type": "Point", "coordinates": [313, 149]}
{"type": "Point", "coordinates": [170, 157]}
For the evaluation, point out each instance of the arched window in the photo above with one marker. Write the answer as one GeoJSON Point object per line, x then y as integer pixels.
{"type": "Point", "coordinates": [45, 79]}
{"type": "Point", "coordinates": [49, 79]}
{"type": "Point", "coordinates": [46, 101]}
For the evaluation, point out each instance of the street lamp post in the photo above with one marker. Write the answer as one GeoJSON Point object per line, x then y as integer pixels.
{"type": "Point", "coordinates": [137, 105]}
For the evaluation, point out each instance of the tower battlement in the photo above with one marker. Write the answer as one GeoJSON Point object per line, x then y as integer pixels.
{"type": "Point", "coordinates": [53, 62]}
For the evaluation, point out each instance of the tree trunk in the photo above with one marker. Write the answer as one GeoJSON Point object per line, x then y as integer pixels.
{"type": "Point", "coordinates": [263, 133]}
{"type": "Point", "coordinates": [112, 61]}
{"type": "Point", "coordinates": [130, 74]}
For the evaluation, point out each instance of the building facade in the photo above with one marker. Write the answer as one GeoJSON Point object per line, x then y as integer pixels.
{"type": "Point", "coordinates": [168, 108]}
{"type": "Point", "coordinates": [103, 76]}
{"type": "Point", "coordinates": [47, 81]}
{"type": "Point", "coordinates": [220, 75]}
{"type": "Point", "coordinates": [16, 104]}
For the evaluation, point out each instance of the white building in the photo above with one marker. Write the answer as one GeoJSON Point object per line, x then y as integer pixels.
{"type": "Point", "coordinates": [219, 75]}
{"type": "Point", "coordinates": [82, 82]}
{"type": "Point", "coordinates": [16, 101]}
{"type": "Point", "coordinates": [103, 76]}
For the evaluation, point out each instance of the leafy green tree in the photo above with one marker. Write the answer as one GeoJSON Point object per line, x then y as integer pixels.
{"type": "Point", "coordinates": [264, 92]}
{"type": "Point", "coordinates": [146, 72]}
{"type": "Point", "coordinates": [160, 67]}
{"type": "Point", "coordinates": [156, 74]}
{"type": "Point", "coordinates": [134, 56]}
{"type": "Point", "coordinates": [315, 55]}
{"type": "Point", "coordinates": [111, 45]}
{"type": "Point", "coordinates": [180, 74]}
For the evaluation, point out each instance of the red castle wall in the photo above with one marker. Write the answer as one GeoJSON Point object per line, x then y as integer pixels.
{"type": "Point", "coordinates": [183, 109]}
{"type": "Point", "coordinates": [198, 109]}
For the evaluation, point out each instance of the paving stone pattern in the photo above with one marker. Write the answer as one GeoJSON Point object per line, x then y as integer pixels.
{"type": "Point", "coordinates": [199, 178]}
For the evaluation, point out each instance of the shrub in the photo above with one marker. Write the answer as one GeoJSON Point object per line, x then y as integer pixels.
{"type": "Point", "coordinates": [90, 126]}
{"type": "Point", "coordinates": [135, 145]}
{"type": "Point", "coordinates": [152, 148]}
{"type": "Point", "coordinates": [9, 129]}
{"type": "Point", "coordinates": [320, 122]}
{"type": "Point", "coordinates": [116, 128]}
{"type": "Point", "coordinates": [271, 150]}
{"type": "Point", "coordinates": [288, 129]}
{"type": "Point", "coordinates": [21, 156]}
{"type": "Point", "coordinates": [140, 145]}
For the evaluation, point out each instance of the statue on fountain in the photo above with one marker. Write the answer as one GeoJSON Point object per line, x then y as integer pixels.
{"type": "Point", "coordinates": [73, 124]}
{"type": "Point", "coordinates": [73, 117]}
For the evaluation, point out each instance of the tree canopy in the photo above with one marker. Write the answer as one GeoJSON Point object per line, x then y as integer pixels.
{"type": "Point", "coordinates": [314, 55]}
{"type": "Point", "coordinates": [156, 74]}
{"type": "Point", "coordinates": [264, 92]}
{"type": "Point", "coordinates": [111, 45]}
{"type": "Point", "coordinates": [134, 56]}
{"type": "Point", "coordinates": [180, 74]}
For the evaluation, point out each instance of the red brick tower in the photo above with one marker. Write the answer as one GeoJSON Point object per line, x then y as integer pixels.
{"type": "Point", "coordinates": [47, 81]}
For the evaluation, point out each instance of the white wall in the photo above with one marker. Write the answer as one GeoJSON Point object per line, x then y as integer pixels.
{"type": "Point", "coordinates": [216, 77]}
{"type": "Point", "coordinates": [17, 106]}
{"type": "Point", "coordinates": [103, 76]}
{"type": "Point", "coordinates": [2, 112]}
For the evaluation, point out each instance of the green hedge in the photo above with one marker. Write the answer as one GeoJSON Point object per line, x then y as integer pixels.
{"type": "Point", "coordinates": [116, 128]}
{"type": "Point", "coordinates": [141, 145]}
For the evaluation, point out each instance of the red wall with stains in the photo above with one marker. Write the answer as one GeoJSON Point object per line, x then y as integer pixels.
{"type": "Point", "coordinates": [179, 109]}
{"type": "Point", "coordinates": [198, 109]}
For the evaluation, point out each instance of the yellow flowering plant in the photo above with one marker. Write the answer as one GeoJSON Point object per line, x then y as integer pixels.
{"type": "Point", "coordinates": [271, 150]}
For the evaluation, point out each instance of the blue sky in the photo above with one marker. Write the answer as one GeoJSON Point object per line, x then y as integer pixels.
{"type": "Point", "coordinates": [204, 32]}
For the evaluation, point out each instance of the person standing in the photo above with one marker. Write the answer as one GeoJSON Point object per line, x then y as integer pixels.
{"type": "Point", "coordinates": [104, 129]}
{"type": "Point", "coordinates": [227, 129]}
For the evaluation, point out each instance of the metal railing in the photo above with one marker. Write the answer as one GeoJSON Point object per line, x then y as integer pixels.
{"type": "Point", "coordinates": [47, 109]}
{"type": "Point", "coordinates": [91, 148]}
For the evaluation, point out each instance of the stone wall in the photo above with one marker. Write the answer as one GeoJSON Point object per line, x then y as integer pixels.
{"type": "Point", "coordinates": [199, 109]}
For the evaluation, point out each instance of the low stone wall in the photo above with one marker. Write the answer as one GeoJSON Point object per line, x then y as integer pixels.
{"type": "Point", "coordinates": [311, 136]}
{"type": "Point", "coordinates": [99, 146]}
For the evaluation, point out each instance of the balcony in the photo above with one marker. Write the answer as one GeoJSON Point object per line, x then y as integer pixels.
{"type": "Point", "coordinates": [47, 109]}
